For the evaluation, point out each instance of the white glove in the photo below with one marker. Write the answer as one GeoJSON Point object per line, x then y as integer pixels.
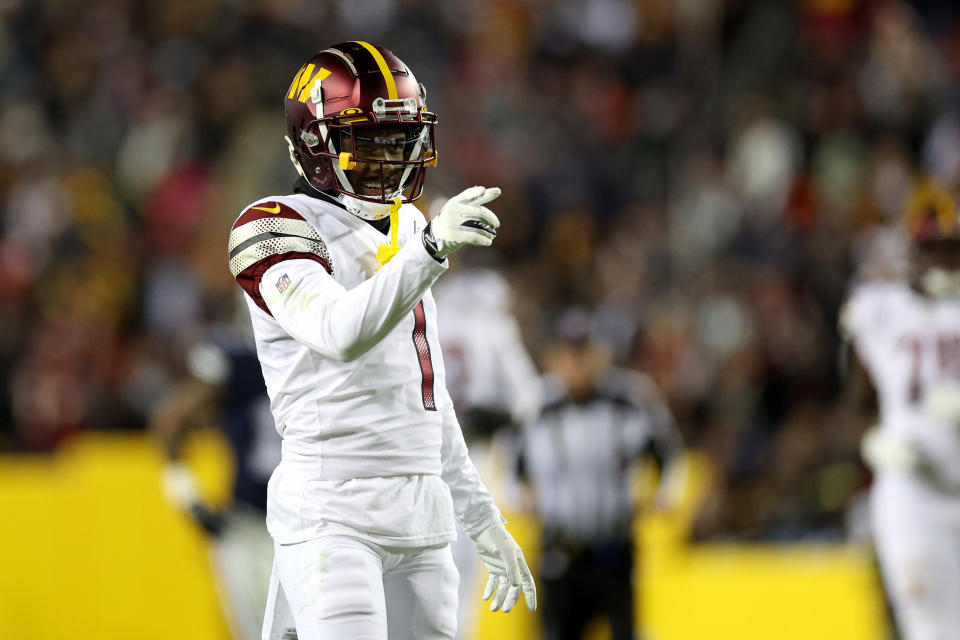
{"type": "Point", "coordinates": [179, 485]}
{"type": "Point", "coordinates": [886, 451]}
{"type": "Point", "coordinates": [508, 570]}
{"type": "Point", "coordinates": [942, 402]}
{"type": "Point", "coordinates": [463, 220]}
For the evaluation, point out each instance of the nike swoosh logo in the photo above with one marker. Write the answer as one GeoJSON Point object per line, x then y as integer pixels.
{"type": "Point", "coordinates": [275, 209]}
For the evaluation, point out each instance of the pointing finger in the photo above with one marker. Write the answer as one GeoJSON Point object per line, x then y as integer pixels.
{"type": "Point", "coordinates": [489, 194]}
{"type": "Point", "coordinates": [468, 195]}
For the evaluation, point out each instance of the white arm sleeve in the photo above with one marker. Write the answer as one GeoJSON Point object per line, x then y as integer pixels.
{"type": "Point", "coordinates": [343, 324]}
{"type": "Point", "coordinates": [472, 501]}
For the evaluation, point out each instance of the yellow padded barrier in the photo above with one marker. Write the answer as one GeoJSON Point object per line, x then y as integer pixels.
{"type": "Point", "coordinates": [90, 550]}
{"type": "Point", "coordinates": [752, 591]}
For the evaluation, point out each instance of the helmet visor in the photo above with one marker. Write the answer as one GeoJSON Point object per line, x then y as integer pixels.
{"type": "Point", "coordinates": [376, 161]}
{"type": "Point", "coordinates": [384, 159]}
{"type": "Point", "coordinates": [386, 142]}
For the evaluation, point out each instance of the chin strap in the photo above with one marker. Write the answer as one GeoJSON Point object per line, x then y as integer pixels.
{"type": "Point", "coordinates": [386, 251]}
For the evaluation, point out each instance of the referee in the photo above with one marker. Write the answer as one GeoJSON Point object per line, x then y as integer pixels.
{"type": "Point", "coordinates": [597, 422]}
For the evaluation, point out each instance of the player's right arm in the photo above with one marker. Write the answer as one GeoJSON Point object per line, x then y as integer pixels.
{"type": "Point", "coordinates": [282, 263]}
{"type": "Point", "coordinates": [343, 324]}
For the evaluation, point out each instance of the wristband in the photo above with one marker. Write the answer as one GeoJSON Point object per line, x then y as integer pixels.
{"type": "Point", "coordinates": [430, 243]}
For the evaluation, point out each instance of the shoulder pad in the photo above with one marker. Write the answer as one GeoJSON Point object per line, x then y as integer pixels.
{"type": "Point", "coordinates": [265, 234]}
{"type": "Point", "coordinates": [270, 229]}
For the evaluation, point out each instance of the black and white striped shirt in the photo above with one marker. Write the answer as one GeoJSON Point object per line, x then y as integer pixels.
{"type": "Point", "coordinates": [578, 456]}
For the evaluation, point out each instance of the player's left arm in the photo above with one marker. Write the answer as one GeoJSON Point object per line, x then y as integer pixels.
{"type": "Point", "coordinates": [193, 404]}
{"type": "Point", "coordinates": [858, 408]}
{"type": "Point", "coordinates": [473, 503]}
{"type": "Point", "coordinates": [481, 519]}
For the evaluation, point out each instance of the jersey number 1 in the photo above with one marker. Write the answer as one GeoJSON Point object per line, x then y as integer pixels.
{"type": "Point", "coordinates": [948, 361]}
{"type": "Point", "coordinates": [423, 355]}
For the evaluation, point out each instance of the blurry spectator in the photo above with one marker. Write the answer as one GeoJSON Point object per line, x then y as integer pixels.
{"type": "Point", "coordinates": [597, 422]}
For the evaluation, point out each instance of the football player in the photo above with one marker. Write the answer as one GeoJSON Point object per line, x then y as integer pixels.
{"type": "Point", "coordinates": [374, 472]}
{"type": "Point", "coordinates": [225, 385]}
{"type": "Point", "coordinates": [906, 334]}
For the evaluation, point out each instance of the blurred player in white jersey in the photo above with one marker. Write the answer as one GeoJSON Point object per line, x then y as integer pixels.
{"type": "Point", "coordinates": [494, 386]}
{"type": "Point", "coordinates": [225, 383]}
{"type": "Point", "coordinates": [374, 474]}
{"type": "Point", "coordinates": [906, 334]}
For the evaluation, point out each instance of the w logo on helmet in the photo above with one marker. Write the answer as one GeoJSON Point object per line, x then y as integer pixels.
{"type": "Point", "coordinates": [301, 85]}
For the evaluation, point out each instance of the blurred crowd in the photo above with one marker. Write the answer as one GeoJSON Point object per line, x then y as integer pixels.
{"type": "Point", "coordinates": [707, 176]}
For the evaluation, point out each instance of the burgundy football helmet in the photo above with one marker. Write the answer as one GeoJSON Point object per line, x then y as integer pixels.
{"type": "Point", "coordinates": [358, 123]}
{"type": "Point", "coordinates": [931, 213]}
{"type": "Point", "coordinates": [932, 221]}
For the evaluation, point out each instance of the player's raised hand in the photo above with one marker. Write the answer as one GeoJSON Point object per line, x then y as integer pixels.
{"type": "Point", "coordinates": [463, 220]}
{"type": "Point", "coordinates": [509, 573]}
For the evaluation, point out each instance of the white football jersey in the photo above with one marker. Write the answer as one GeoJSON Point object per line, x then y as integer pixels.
{"type": "Point", "coordinates": [909, 344]}
{"type": "Point", "coordinates": [352, 365]}
{"type": "Point", "coordinates": [495, 372]}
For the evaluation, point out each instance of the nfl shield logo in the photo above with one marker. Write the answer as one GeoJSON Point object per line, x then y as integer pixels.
{"type": "Point", "coordinates": [283, 283]}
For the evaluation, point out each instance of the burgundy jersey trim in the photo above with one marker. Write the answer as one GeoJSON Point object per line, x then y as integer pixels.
{"type": "Point", "coordinates": [268, 209]}
{"type": "Point", "coordinates": [263, 236]}
{"type": "Point", "coordinates": [249, 279]}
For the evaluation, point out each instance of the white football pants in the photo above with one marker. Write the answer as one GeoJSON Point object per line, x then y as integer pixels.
{"type": "Point", "coordinates": [917, 536]}
{"type": "Point", "coordinates": [340, 587]}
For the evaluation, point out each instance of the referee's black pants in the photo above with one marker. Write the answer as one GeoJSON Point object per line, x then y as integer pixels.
{"type": "Point", "coordinates": [596, 582]}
